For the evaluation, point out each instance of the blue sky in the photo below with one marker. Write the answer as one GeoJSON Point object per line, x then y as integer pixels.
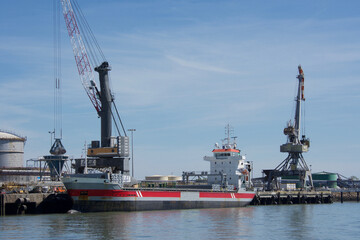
{"type": "Point", "coordinates": [182, 70]}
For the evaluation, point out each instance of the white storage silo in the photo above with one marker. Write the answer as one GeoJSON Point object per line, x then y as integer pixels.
{"type": "Point", "coordinates": [11, 150]}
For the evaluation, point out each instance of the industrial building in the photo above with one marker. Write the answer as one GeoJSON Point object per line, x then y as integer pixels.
{"type": "Point", "coordinates": [11, 150]}
{"type": "Point", "coordinates": [12, 168]}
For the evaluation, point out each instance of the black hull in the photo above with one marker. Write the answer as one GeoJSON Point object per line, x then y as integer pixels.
{"type": "Point", "coordinates": [109, 206]}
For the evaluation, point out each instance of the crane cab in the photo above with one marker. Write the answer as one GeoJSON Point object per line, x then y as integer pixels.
{"type": "Point", "coordinates": [119, 147]}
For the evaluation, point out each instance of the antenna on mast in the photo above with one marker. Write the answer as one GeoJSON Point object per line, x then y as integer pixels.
{"type": "Point", "coordinates": [229, 130]}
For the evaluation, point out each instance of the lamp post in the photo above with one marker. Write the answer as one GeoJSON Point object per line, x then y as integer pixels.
{"type": "Point", "coordinates": [132, 130]}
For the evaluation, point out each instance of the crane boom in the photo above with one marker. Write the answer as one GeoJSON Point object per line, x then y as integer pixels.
{"type": "Point", "coordinates": [299, 98]}
{"type": "Point", "coordinates": [81, 57]}
{"type": "Point", "coordinates": [113, 151]}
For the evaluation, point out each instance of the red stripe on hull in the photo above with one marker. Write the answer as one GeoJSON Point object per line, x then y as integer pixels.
{"type": "Point", "coordinates": [123, 193]}
{"type": "Point", "coordinates": [226, 195]}
{"type": "Point", "coordinates": [215, 195]}
{"type": "Point", "coordinates": [245, 195]}
{"type": "Point", "coordinates": [161, 194]}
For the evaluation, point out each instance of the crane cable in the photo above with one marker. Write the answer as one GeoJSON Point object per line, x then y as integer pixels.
{"type": "Point", "coordinates": [90, 41]}
{"type": "Point", "coordinates": [119, 118]}
{"type": "Point", "coordinates": [303, 120]}
{"type": "Point", "coordinates": [292, 113]}
{"type": "Point", "coordinates": [93, 47]}
{"type": "Point", "coordinates": [96, 55]}
{"type": "Point", "coordinates": [57, 70]}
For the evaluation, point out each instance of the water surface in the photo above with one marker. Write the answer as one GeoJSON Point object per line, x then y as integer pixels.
{"type": "Point", "coordinates": [324, 221]}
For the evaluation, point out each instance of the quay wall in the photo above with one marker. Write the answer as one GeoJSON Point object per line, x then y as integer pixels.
{"type": "Point", "coordinates": [34, 203]}
{"type": "Point", "coordinates": [291, 197]}
{"type": "Point", "coordinates": [351, 195]}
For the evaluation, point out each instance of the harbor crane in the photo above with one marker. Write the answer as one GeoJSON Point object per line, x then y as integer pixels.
{"type": "Point", "coordinates": [111, 152]}
{"type": "Point", "coordinates": [294, 164]}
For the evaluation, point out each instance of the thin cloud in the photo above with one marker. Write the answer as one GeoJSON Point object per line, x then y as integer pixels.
{"type": "Point", "coordinates": [200, 66]}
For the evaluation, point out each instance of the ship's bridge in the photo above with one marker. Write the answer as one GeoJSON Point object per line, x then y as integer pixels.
{"type": "Point", "coordinates": [225, 152]}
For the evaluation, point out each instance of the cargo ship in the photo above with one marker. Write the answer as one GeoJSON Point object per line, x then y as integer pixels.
{"type": "Point", "coordinates": [111, 188]}
{"type": "Point", "coordinates": [227, 185]}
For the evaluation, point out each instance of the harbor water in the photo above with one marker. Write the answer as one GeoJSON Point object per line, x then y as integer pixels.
{"type": "Point", "coordinates": [313, 221]}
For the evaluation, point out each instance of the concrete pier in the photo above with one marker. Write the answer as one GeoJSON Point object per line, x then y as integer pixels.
{"type": "Point", "coordinates": [347, 195]}
{"type": "Point", "coordinates": [34, 203]}
{"type": "Point", "coordinates": [291, 197]}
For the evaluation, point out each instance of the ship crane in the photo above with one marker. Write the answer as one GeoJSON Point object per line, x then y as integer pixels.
{"type": "Point", "coordinates": [294, 164]}
{"type": "Point", "coordinates": [111, 152]}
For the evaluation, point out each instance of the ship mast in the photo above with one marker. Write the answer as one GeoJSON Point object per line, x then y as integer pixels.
{"type": "Point", "coordinates": [227, 133]}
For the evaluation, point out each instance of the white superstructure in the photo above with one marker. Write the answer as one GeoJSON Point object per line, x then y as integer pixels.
{"type": "Point", "coordinates": [227, 165]}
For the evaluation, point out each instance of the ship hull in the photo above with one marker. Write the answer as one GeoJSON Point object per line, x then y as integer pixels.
{"type": "Point", "coordinates": [108, 206]}
{"type": "Point", "coordinates": [91, 195]}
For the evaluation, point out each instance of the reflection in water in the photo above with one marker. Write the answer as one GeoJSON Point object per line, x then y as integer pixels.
{"type": "Point", "coordinates": [324, 221]}
{"type": "Point", "coordinates": [299, 218]}
{"type": "Point", "coordinates": [228, 222]}
{"type": "Point", "coordinates": [175, 224]}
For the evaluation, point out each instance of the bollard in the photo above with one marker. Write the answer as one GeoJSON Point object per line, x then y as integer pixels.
{"type": "Point", "coordinates": [279, 198]}
{"type": "Point", "coordinates": [322, 197]}
{"type": "Point", "coordinates": [2, 204]}
{"type": "Point", "coordinates": [341, 197]}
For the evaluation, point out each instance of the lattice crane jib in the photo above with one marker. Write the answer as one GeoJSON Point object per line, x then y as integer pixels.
{"type": "Point", "coordinates": [81, 57]}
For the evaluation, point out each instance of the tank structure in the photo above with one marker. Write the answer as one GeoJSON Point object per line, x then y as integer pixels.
{"type": "Point", "coordinates": [325, 179]}
{"type": "Point", "coordinates": [11, 150]}
{"type": "Point", "coordinates": [161, 181]}
{"type": "Point", "coordinates": [320, 179]}
{"type": "Point", "coordinates": [12, 168]}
